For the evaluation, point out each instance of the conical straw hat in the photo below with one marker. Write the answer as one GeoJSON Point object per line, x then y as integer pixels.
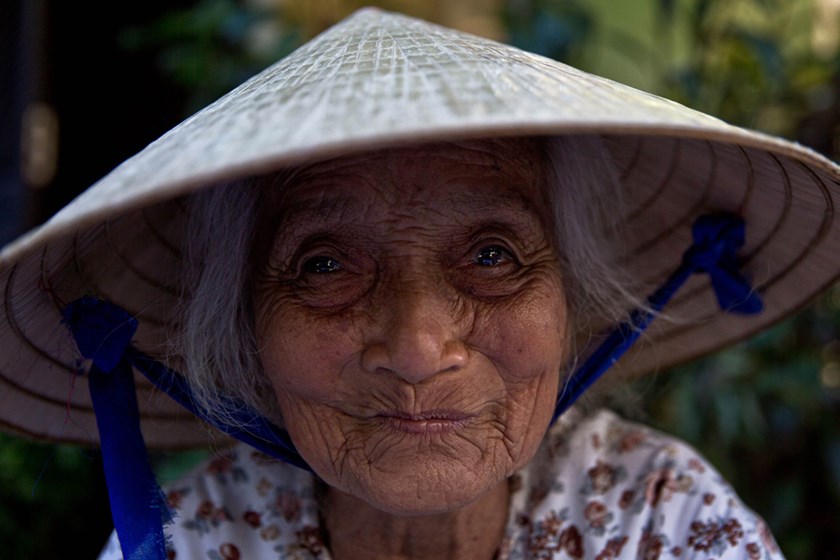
{"type": "Point", "coordinates": [374, 80]}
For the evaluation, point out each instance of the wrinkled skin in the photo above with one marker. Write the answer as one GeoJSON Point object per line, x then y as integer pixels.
{"type": "Point", "coordinates": [411, 318]}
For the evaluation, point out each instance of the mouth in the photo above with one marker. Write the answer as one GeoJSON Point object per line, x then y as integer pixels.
{"type": "Point", "coordinates": [429, 422]}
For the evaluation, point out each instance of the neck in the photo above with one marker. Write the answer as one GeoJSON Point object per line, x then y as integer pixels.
{"type": "Point", "coordinates": [357, 530]}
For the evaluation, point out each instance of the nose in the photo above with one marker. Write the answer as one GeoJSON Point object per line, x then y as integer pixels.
{"type": "Point", "coordinates": [420, 336]}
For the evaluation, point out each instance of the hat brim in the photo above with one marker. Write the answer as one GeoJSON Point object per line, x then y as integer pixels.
{"type": "Point", "coordinates": [376, 80]}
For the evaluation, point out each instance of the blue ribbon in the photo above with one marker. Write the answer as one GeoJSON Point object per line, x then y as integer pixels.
{"type": "Point", "coordinates": [102, 332]}
{"type": "Point", "coordinates": [716, 240]}
{"type": "Point", "coordinates": [246, 425]}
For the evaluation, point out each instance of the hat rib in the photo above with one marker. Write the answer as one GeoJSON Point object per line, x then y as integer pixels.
{"type": "Point", "coordinates": [749, 182]}
{"type": "Point", "coordinates": [11, 321]}
{"type": "Point", "coordinates": [820, 235]}
{"type": "Point", "coordinates": [169, 289]}
{"type": "Point", "coordinates": [779, 223]}
{"type": "Point", "coordinates": [692, 212]}
{"type": "Point", "coordinates": [663, 183]}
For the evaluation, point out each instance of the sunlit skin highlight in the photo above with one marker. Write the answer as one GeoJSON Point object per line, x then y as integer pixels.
{"type": "Point", "coordinates": [411, 318]}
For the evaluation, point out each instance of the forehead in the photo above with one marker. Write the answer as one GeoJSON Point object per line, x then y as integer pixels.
{"type": "Point", "coordinates": [496, 176]}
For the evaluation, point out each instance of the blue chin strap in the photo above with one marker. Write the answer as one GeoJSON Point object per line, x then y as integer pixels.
{"type": "Point", "coordinates": [103, 334]}
{"type": "Point", "coordinates": [716, 240]}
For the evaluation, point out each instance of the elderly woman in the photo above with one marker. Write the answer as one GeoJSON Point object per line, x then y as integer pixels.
{"type": "Point", "coordinates": [418, 249]}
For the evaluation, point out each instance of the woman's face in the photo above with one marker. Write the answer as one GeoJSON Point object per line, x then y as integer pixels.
{"type": "Point", "coordinates": [410, 317]}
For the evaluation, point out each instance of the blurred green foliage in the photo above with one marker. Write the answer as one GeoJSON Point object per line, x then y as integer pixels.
{"type": "Point", "coordinates": [214, 46]}
{"type": "Point", "coordinates": [766, 412]}
{"type": "Point", "coordinates": [49, 496]}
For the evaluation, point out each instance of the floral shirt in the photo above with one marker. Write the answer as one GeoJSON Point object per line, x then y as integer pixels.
{"type": "Point", "coordinates": [600, 487]}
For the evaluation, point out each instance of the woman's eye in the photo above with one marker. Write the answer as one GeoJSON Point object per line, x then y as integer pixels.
{"type": "Point", "coordinates": [492, 255]}
{"type": "Point", "coordinates": [491, 271]}
{"type": "Point", "coordinates": [321, 265]}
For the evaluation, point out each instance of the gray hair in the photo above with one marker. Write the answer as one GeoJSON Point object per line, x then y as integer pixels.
{"type": "Point", "coordinates": [217, 343]}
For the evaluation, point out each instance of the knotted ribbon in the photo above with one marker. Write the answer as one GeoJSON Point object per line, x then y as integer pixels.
{"type": "Point", "coordinates": [716, 240]}
{"type": "Point", "coordinates": [103, 334]}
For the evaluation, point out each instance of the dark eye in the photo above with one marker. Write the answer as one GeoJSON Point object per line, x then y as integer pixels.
{"type": "Point", "coordinates": [491, 255]}
{"type": "Point", "coordinates": [321, 264]}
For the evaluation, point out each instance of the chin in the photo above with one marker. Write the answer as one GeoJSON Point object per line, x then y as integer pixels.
{"type": "Point", "coordinates": [421, 485]}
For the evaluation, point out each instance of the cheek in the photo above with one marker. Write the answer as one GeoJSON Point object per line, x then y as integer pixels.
{"type": "Point", "coordinates": [527, 340]}
{"type": "Point", "coordinates": [303, 356]}
{"type": "Point", "coordinates": [528, 335]}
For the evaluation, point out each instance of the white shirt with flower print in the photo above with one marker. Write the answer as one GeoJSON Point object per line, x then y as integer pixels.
{"type": "Point", "coordinates": [600, 488]}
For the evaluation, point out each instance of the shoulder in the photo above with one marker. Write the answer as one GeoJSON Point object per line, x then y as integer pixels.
{"type": "Point", "coordinates": [602, 485]}
{"type": "Point", "coordinates": [240, 504]}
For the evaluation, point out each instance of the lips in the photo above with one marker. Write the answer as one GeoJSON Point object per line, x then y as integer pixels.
{"type": "Point", "coordinates": [429, 422]}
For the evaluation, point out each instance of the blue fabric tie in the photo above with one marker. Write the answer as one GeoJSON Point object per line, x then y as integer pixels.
{"type": "Point", "coordinates": [138, 507]}
{"type": "Point", "coordinates": [103, 333]}
{"type": "Point", "coordinates": [246, 425]}
{"type": "Point", "coordinates": [716, 240]}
